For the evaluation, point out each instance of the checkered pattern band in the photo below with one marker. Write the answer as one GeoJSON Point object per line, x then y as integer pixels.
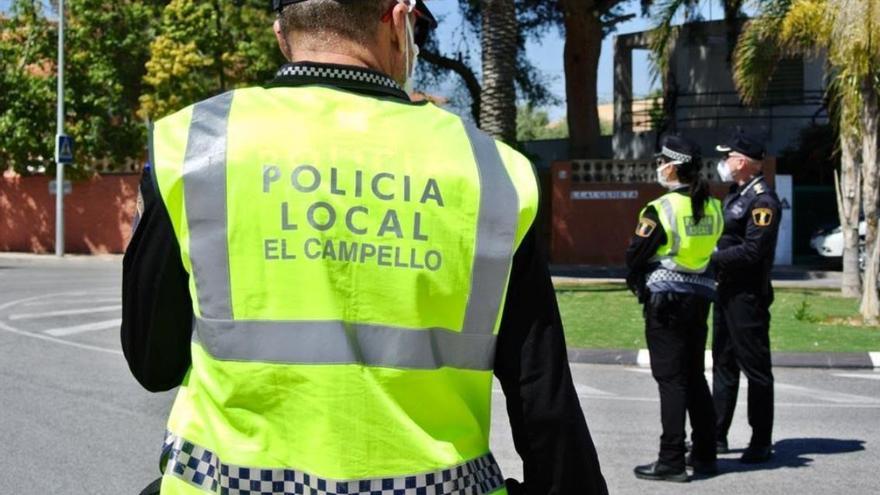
{"type": "Point", "coordinates": [679, 157]}
{"type": "Point", "coordinates": [202, 468]}
{"type": "Point", "coordinates": [665, 275]}
{"type": "Point", "coordinates": [338, 73]}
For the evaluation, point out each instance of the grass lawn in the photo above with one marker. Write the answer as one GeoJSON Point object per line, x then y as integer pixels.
{"type": "Point", "coordinates": [607, 316]}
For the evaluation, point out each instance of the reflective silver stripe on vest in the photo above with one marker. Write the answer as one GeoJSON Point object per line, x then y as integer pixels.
{"type": "Point", "coordinates": [668, 260]}
{"type": "Point", "coordinates": [496, 234]}
{"type": "Point", "coordinates": [305, 342]}
{"type": "Point", "coordinates": [204, 186]}
{"type": "Point", "coordinates": [335, 342]}
{"type": "Point", "coordinates": [669, 211]}
{"type": "Point", "coordinates": [203, 469]}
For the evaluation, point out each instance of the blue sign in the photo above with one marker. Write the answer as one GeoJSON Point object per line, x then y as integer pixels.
{"type": "Point", "coordinates": [64, 149]}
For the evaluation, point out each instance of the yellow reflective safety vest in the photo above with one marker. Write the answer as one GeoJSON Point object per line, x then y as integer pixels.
{"type": "Point", "coordinates": [689, 244]}
{"type": "Point", "coordinates": [348, 261]}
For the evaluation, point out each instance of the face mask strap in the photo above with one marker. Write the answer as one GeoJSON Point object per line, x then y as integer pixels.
{"type": "Point", "coordinates": [410, 50]}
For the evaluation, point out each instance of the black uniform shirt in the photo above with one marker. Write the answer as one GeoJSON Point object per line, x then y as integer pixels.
{"type": "Point", "coordinates": [549, 430]}
{"type": "Point", "coordinates": [747, 247]}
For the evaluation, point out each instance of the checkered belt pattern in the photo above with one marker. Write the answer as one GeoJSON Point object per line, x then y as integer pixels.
{"type": "Point", "coordinates": [202, 468]}
{"type": "Point", "coordinates": [664, 275]}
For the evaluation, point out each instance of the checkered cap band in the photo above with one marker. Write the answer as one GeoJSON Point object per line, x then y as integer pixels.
{"type": "Point", "coordinates": [202, 468]}
{"type": "Point", "coordinates": [679, 157]}
{"type": "Point", "coordinates": [337, 73]}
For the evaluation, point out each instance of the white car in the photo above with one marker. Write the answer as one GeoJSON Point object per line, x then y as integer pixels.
{"type": "Point", "coordinates": [829, 242]}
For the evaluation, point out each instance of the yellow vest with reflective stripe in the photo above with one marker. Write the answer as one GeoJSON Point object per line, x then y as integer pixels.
{"type": "Point", "coordinates": [348, 260]}
{"type": "Point", "coordinates": [689, 244]}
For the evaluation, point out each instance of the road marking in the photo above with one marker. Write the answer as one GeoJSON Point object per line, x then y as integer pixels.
{"type": "Point", "coordinates": [804, 405]}
{"type": "Point", "coordinates": [875, 376]}
{"type": "Point", "coordinates": [46, 302]}
{"type": "Point", "coordinates": [643, 358]}
{"type": "Point", "coordinates": [586, 390]}
{"type": "Point", "coordinates": [824, 395]}
{"type": "Point", "coordinates": [88, 327]}
{"type": "Point", "coordinates": [47, 338]}
{"type": "Point", "coordinates": [638, 370]}
{"type": "Point", "coordinates": [581, 389]}
{"type": "Point", "coordinates": [66, 312]}
{"type": "Point", "coordinates": [875, 358]}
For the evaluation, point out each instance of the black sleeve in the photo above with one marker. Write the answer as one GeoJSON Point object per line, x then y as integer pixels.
{"type": "Point", "coordinates": [549, 430]}
{"type": "Point", "coordinates": [647, 238]}
{"type": "Point", "coordinates": [760, 239]}
{"type": "Point", "coordinates": [156, 306]}
{"type": "Point", "coordinates": [645, 242]}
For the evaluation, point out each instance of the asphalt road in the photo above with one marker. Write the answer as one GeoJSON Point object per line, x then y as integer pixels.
{"type": "Point", "coordinates": [72, 420]}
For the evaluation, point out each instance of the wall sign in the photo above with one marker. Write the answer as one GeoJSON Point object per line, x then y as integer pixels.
{"type": "Point", "coordinates": [603, 195]}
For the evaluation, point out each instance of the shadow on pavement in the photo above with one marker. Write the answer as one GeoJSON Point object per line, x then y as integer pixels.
{"type": "Point", "coordinates": [792, 453]}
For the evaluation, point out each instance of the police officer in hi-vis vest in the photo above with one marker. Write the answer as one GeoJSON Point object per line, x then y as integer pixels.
{"type": "Point", "coordinates": [332, 273]}
{"type": "Point", "coordinates": [668, 259]}
{"type": "Point", "coordinates": [741, 338]}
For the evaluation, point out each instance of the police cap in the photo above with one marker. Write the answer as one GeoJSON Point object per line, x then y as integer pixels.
{"type": "Point", "coordinates": [425, 20]}
{"type": "Point", "coordinates": [744, 143]}
{"type": "Point", "coordinates": [679, 149]}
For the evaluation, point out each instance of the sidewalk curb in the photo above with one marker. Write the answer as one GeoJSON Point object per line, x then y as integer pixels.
{"type": "Point", "coordinates": [823, 360]}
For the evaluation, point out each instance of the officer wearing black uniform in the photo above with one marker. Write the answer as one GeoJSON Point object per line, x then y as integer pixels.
{"type": "Point", "coordinates": [742, 313]}
{"type": "Point", "coordinates": [668, 260]}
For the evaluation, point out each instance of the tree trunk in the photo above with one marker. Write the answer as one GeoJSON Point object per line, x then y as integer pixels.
{"type": "Point", "coordinates": [848, 206]}
{"type": "Point", "coordinates": [870, 307]}
{"type": "Point", "coordinates": [583, 46]}
{"type": "Point", "coordinates": [498, 99]}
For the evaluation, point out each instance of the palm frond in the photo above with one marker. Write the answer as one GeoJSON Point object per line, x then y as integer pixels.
{"type": "Point", "coordinates": [755, 57]}
{"type": "Point", "coordinates": [855, 36]}
{"type": "Point", "coordinates": [662, 37]}
{"type": "Point", "coordinates": [805, 28]}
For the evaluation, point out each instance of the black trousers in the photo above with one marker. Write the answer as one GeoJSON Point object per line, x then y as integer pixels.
{"type": "Point", "coordinates": [676, 328]}
{"type": "Point", "coordinates": [741, 341]}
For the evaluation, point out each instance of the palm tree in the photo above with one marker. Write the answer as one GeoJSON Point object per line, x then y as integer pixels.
{"type": "Point", "coordinates": [499, 45]}
{"type": "Point", "coordinates": [848, 32]}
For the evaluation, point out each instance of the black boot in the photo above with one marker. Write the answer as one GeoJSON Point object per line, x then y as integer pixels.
{"type": "Point", "coordinates": [660, 472]}
{"type": "Point", "coordinates": [702, 467]}
{"type": "Point", "coordinates": [756, 454]}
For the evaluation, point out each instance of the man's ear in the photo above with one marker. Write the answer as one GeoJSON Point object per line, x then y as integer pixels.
{"type": "Point", "coordinates": [283, 44]}
{"type": "Point", "coordinates": [398, 25]}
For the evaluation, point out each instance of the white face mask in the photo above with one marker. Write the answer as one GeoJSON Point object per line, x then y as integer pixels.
{"type": "Point", "coordinates": [724, 172]}
{"type": "Point", "coordinates": [663, 181]}
{"type": "Point", "coordinates": [411, 49]}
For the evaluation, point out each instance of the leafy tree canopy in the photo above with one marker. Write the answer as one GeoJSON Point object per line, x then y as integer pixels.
{"type": "Point", "coordinates": [205, 48]}
{"type": "Point", "coordinates": [533, 124]}
{"type": "Point", "coordinates": [105, 55]}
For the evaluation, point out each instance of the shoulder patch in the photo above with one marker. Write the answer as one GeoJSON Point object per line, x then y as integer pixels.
{"type": "Point", "coordinates": [762, 217]}
{"type": "Point", "coordinates": [646, 227]}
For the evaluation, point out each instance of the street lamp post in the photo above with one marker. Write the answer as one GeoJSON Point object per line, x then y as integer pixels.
{"type": "Point", "coordinates": [59, 176]}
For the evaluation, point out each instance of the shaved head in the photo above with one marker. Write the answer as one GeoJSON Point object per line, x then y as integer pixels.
{"type": "Point", "coordinates": [323, 21]}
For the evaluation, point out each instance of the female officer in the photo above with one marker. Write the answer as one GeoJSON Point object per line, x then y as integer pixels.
{"type": "Point", "coordinates": [668, 259]}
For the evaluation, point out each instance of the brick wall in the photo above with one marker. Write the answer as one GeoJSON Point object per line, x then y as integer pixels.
{"type": "Point", "coordinates": [98, 214]}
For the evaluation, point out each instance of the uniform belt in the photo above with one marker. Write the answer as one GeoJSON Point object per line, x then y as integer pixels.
{"type": "Point", "coordinates": [203, 469]}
